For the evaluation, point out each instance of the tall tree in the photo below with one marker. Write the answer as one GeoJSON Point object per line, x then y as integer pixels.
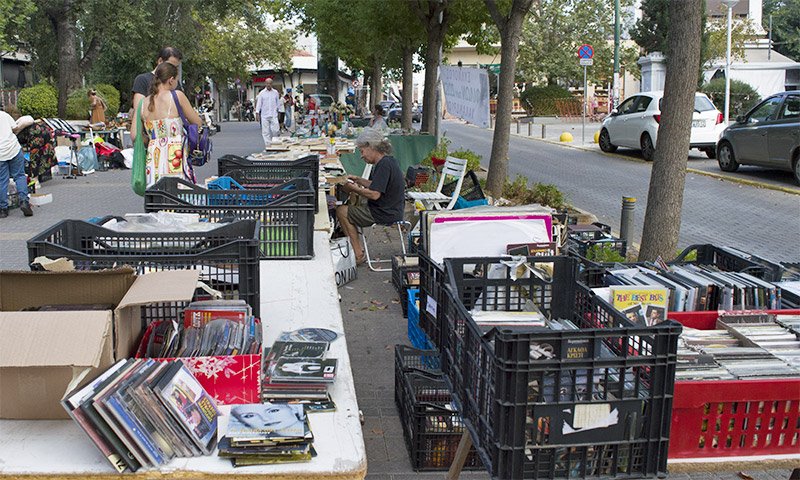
{"type": "Point", "coordinates": [785, 26]}
{"type": "Point", "coordinates": [509, 23]}
{"type": "Point", "coordinates": [435, 16]}
{"type": "Point", "coordinates": [662, 221]}
{"type": "Point", "coordinates": [14, 16]}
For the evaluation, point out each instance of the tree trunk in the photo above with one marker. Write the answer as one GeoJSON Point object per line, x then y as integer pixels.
{"type": "Point", "coordinates": [408, 88]}
{"type": "Point", "coordinates": [662, 221]}
{"type": "Point", "coordinates": [431, 86]}
{"type": "Point", "coordinates": [69, 74]}
{"type": "Point", "coordinates": [376, 77]}
{"type": "Point", "coordinates": [510, 29]}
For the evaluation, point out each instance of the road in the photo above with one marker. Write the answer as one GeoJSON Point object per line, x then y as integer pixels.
{"type": "Point", "coordinates": [760, 221]}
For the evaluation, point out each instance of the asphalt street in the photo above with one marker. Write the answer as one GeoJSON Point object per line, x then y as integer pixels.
{"type": "Point", "coordinates": [757, 220]}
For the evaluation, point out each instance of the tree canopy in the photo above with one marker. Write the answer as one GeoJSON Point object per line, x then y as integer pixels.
{"type": "Point", "coordinates": [785, 26]}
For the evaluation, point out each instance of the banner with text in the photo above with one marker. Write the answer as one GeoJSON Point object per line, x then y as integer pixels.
{"type": "Point", "coordinates": [466, 92]}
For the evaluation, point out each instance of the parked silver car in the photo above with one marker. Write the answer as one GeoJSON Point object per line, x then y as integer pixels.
{"type": "Point", "coordinates": [767, 136]}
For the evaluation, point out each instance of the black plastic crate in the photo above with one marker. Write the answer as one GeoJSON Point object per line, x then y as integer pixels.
{"type": "Point", "coordinates": [470, 188]}
{"type": "Point", "coordinates": [725, 258]}
{"type": "Point", "coordinates": [405, 274]}
{"type": "Point", "coordinates": [286, 212]}
{"type": "Point", "coordinates": [432, 425]}
{"type": "Point", "coordinates": [431, 291]}
{"type": "Point", "coordinates": [270, 173]}
{"type": "Point", "coordinates": [409, 359]}
{"type": "Point", "coordinates": [226, 256]}
{"type": "Point", "coordinates": [527, 394]}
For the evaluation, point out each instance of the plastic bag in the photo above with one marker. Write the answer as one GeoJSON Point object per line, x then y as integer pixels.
{"type": "Point", "coordinates": [138, 174]}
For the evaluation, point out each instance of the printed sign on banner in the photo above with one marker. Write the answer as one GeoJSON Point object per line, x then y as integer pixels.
{"type": "Point", "coordinates": [466, 92]}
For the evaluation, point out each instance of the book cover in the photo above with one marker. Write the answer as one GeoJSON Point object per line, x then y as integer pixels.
{"type": "Point", "coordinates": [267, 421]}
{"type": "Point", "coordinates": [189, 403]}
{"type": "Point", "coordinates": [633, 301]}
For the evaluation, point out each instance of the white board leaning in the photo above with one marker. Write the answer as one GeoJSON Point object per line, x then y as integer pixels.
{"type": "Point", "coordinates": [466, 91]}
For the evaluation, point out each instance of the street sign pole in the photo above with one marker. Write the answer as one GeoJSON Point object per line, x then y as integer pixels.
{"type": "Point", "coordinates": [583, 121]}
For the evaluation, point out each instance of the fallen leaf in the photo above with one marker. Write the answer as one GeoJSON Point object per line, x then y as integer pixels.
{"type": "Point", "coordinates": [376, 302]}
{"type": "Point", "coordinates": [745, 476]}
{"type": "Point", "coordinates": [395, 301]}
{"type": "Point", "coordinates": [377, 431]}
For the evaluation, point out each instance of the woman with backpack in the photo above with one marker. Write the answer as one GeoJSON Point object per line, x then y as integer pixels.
{"type": "Point", "coordinates": [161, 116]}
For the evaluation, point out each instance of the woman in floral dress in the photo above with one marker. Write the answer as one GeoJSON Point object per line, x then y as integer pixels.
{"type": "Point", "coordinates": [38, 140]}
{"type": "Point", "coordinates": [163, 127]}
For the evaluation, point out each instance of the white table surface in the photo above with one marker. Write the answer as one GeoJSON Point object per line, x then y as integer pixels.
{"type": "Point", "coordinates": [294, 294]}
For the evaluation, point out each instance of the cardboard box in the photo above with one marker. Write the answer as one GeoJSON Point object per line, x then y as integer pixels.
{"type": "Point", "coordinates": [43, 355]}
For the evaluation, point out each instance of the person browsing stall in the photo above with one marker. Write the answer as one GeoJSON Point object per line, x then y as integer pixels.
{"type": "Point", "coordinates": [163, 127]}
{"type": "Point", "coordinates": [141, 84]}
{"type": "Point", "coordinates": [384, 192]}
{"type": "Point", "coordinates": [267, 112]}
{"type": "Point", "coordinates": [378, 121]}
{"type": "Point", "coordinates": [12, 164]}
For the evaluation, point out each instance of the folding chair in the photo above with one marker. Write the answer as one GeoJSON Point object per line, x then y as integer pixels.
{"type": "Point", "coordinates": [455, 167]}
{"type": "Point", "coordinates": [403, 241]}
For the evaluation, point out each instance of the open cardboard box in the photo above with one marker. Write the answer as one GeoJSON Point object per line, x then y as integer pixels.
{"type": "Point", "coordinates": [43, 355]}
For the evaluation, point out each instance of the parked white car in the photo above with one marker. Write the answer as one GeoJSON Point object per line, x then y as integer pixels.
{"type": "Point", "coordinates": [635, 125]}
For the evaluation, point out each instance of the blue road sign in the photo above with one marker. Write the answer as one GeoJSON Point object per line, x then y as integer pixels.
{"type": "Point", "coordinates": [586, 51]}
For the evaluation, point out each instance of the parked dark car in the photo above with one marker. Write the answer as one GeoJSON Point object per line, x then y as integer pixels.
{"type": "Point", "coordinates": [396, 112]}
{"type": "Point", "coordinates": [767, 136]}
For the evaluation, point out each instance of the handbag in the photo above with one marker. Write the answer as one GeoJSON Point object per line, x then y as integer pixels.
{"type": "Point", "coordinates": [138, 173]}
{"type": "Point", "coordinates": [198, 145]}
{"type": "Point", "coordinates": [344, 260]}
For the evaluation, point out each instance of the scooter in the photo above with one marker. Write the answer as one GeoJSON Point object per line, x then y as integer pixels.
{"type": "Point", "coordinates": [206, 114]}
{"type": "Point", "coordinates": [248, 113]}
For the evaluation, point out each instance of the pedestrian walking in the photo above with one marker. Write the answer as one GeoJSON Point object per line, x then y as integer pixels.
{"type": "Point", "coordinates": [267, 112]}
{"type": "Point", "coordinates": [163, 127]}
{"type": "Point", "coordinates": [281, 113]}
{"type": "Point", "coordinates": [12, 164]}
{"type": "Point", "coordinates": [141, 85]}
{"type": "Point", "coordinates": [288, 105]}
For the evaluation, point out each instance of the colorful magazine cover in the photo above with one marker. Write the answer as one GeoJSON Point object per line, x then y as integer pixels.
{"type": "Point", "coordinates": [633, 300]}
{"type": "Point", "coordinates": [267, 421]}
{"type": "Point", "coordinates": [191, 405]}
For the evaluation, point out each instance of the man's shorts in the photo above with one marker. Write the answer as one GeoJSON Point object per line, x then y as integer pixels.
{"type": "Point", "coordinates": [360, 215]}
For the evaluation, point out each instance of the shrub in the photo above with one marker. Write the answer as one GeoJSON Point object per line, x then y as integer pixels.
{"type": "Point", "coordinates": [541, 193]}
{"type": "Point", "coordinates": [78, 102]}
{"type": "Point", "coordinates": [111, 96]}
{"type": "Point", "coordinates": [38, 101]}
{"type": "Point", "coordinates": [743, 95]}
{"type": "Point", "coordinates": [472, 158]}
{"type": "Point", "coordinates": [542, 100]}
{"type": "Point", "coordinates": [439, 151]}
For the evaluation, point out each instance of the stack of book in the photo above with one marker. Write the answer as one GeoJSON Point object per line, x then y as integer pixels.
{"type": "Point", "coordinates": [209, 328]}
{"type": "Point", "coordinates": [298, 372]}
{"type": "Point", "coordinates": [698, 287]}
{"type": "Point", "coordinates": [260, 434]}
{"type": "Point", "coordinates": [143, 413]}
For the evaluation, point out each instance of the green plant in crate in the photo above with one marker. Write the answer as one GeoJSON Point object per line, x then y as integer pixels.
{"type": "Point", "coordinates": [542, 193]}
{"type": "Point", "coordinates": [38, 101]}
{"type": "Point", "coordinates": [439, 153]}
{"type": "Point", "coordinates": [604, 254]}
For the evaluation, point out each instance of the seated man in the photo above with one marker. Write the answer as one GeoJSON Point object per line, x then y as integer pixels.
{"type": "Point", "coordinates": [384, 191]}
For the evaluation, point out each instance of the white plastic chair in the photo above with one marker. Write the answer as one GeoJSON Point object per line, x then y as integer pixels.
{"type": "Point", "coordinates": [373, 263]}
{"type": "Point", "coordinates": [453, 167]}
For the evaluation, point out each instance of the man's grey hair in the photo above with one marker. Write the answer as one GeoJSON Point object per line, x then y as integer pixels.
{"type": "Point", "coordinates": [373, 138]}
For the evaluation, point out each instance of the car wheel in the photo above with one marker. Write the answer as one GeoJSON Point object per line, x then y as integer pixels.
{"type": "Point", "coordinates": [710, 152]}
{"type": "Point", "coordinates": [648, 151]}
{"type": "Point", "coordinates": [726, 158]}
{"type": "Point", "coordinates": [797, 167]}
{"type": "Point", "coordinates": [605, 142]}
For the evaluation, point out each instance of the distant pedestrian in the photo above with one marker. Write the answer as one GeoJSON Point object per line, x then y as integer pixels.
{"type": "Point", "coordinates": [12, 164]}
{"type": "Point", "coordinates": [288, 105]}
{"type": "Point", "coordinates": [281, 113]}
{"type": "Point", "coordinates": [98, 106]}
{"type": "Point", "coordinates": [141, 85]}
{"type": "Point", "coordinates": [378, 121]}
{"type": "Point", "coordinates": [267, 112]}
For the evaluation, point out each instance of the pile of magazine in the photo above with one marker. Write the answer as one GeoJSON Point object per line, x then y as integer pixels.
{"type": "Point", "coordinates": [697, 287]}
{"type": "Point", "coordinates": [744, 346]}
{"type": "Point", "coordinates": [299, 372]}
{"type": "Point", "coordinates": [143, 413]}
{"type": "Point", "coordinates": [265, 433]}
{"type": "Point", "coordinates": [209, 328]}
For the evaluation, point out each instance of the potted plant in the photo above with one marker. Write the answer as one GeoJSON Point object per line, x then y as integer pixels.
{"type": "Point", "coordinates": [439, 153]}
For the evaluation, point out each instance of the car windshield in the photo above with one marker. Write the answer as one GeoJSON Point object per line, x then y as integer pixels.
{"type": "Point", "coordinates": [701, 104]}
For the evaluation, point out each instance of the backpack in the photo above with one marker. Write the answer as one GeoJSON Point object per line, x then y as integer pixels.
{"type": "Point", "coordinates": [198, 145]}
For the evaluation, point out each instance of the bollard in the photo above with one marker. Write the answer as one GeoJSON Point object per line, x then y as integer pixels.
{"type": "Point", "coordinates": [530, 126]}
{"type": "Point", "coordinates": [626, 221]}
{"type": "Point", "coordinates": [544, 131]}
{"type": "Point", "coordinates": [517, 127]}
